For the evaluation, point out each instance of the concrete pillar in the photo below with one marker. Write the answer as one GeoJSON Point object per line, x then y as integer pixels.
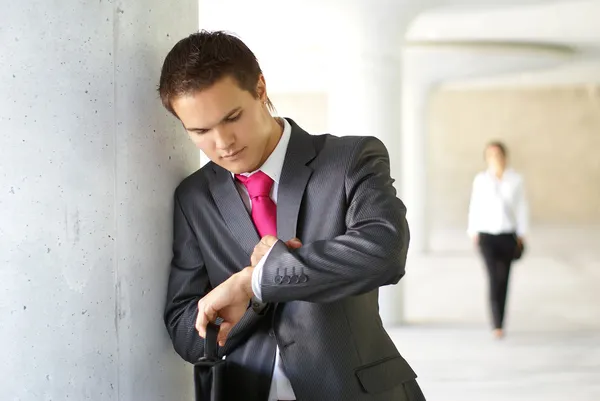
{"type": "Point", "coordinates": [365, 95]}
{"type": "Point", "coordinates": [415, 99]}
{"type": "Point", "coordinates": [88, 164]}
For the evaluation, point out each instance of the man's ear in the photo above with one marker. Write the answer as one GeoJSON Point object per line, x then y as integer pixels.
{"type": "Point", "coordinates": [261, 89]}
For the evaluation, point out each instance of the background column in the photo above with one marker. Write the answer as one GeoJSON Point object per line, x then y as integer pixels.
{"type": "Point", "coordinates": [365, 94]}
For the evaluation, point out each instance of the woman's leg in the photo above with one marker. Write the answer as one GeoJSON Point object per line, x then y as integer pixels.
{"type": "Point", "coordinates": [489, 251]}
{"type": "Point", "coordinates": [503, 271]}
{"type": "Point", "coordinates": [506, 249]}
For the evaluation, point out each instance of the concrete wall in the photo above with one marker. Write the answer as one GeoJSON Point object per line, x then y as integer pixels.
{"type": "Point", "coordinates": [552, 135]}
{"type": "Point", "coordinates": [88, 164]}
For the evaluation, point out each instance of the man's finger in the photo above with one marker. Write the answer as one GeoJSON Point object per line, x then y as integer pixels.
{"type": "Point", "coordinates": [294, 243]}
{"type": "Point", "coordinates": [224, 331]}
{"type": "Point", "coordinates": [260, 250]}
{"type": "Point", "coordinates": [269, 240]}
{"type": "Point", "coordinates": [201, 324]}
{"type": "Point", "coordinates": [254, 259]}
{"type": "Point", "coordinates": [260, 247]}
{"type": "Point", "coordinates": [205, 315]}
{"type": "Point", "coordinates": [198, 318]}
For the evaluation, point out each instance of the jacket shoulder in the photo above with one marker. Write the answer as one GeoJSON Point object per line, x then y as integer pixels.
{"type": "Point", "coordinates": [348, 146]}
{"type": "Point", "coordinates": [195, 182]}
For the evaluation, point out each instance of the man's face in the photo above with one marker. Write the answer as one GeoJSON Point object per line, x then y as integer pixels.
{"type": "Point", "coordinates": [228, 124]}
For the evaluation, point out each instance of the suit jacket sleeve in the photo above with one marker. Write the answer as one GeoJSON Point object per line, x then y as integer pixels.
{"type": "Point", "coordinates": [370, 254]}
{"type": "Point", "coordinates": [188, 283]}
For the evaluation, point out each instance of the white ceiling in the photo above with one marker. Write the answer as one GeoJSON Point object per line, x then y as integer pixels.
{"type": "Point", "coordinates": [292, 39]}
{"type": "Point", "coordinates": [565, 22]}
{"type": "Point", "coordinates": [574, 24]}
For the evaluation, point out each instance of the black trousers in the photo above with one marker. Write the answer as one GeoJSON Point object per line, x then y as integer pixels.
{"type": "Point", "coordinates": [497, 252]}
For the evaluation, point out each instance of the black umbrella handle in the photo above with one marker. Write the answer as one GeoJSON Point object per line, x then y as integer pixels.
{"type": "Point", "coordinates": [210, 342]}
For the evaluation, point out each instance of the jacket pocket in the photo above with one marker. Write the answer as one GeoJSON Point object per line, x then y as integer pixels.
{"type": "Point", "coordinates": [384, 374]}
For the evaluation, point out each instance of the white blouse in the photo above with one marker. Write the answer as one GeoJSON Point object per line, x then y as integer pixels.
{"type": "Point", "coordinates": [498, 205]}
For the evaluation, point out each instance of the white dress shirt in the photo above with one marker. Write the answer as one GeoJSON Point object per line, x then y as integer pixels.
{"type": "Point", "coordinates": [498, 205]}
{"type": "Point", "coordinates": [281, 388]}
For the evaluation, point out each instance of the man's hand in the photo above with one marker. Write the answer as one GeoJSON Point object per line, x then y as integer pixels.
{"type": "Point", "coordinates": [229, 301]}
{"type": "Point", "coordinates": [261, 249]}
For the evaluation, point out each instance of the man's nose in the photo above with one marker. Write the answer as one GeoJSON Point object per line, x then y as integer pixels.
{"type": "Point", "coordinates": [224, 138]}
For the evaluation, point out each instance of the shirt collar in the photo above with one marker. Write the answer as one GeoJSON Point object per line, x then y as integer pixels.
{"type": "Point", "coordinates": [508, 172]}
{"type": "Point", "coordinates": [274, 164]}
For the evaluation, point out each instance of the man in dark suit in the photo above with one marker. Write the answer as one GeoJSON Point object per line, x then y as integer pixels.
{"type": "Point", "coordinates": [284, 236]}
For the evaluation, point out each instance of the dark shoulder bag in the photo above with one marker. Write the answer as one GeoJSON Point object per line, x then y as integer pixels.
{"type": "Point", "coordinates": [209, 371]}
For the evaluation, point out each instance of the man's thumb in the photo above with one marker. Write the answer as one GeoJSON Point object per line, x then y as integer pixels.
{"type": "Point", "coordinates": [294, 243]}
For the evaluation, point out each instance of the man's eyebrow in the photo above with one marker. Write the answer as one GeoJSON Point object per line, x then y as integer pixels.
{"type": "Point", "coordinates": [228, 115]}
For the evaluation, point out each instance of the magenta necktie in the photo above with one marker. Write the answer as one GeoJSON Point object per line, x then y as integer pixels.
{"type": "Point", "coordinates": [264, 210]}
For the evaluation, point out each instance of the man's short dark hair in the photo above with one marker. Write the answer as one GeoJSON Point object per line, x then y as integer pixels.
{"type": "Point", "coordinates": [197, 62]}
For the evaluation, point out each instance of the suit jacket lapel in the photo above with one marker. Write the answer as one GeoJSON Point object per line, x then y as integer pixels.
{"type": "Point", "coordinates": [292, 184]}
{"type": "Point", "coordinates": [233, 210]}
{"type": "Point", "coordinates": [294, 178]}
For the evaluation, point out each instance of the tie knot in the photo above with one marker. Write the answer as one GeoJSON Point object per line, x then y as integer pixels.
{"type": "Point", "coordinates": [258, 184]}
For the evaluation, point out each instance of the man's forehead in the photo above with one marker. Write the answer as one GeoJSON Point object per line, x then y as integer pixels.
{"type": "Point", "coordinates": [208, 117]}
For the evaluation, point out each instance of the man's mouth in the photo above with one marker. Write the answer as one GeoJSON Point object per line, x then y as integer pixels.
{"type": "Point", "coordinates": [233, 154]}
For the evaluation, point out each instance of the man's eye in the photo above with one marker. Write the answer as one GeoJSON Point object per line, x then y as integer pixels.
{"type": "Point", "coordinates": [234, 118]}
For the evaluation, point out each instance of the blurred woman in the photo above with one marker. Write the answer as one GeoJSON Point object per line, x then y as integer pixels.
{"type": "Point", "coordinates": [498, 222]}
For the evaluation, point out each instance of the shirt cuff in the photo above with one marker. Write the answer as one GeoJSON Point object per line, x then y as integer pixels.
{"type": "Point", "coordinates": [257, 276]}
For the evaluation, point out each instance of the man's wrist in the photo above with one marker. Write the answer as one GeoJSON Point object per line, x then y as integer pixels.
{"type": "Point", "coordinates": [246, 281]}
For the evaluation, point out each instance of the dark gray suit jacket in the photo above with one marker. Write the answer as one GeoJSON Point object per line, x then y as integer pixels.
{"type": "Point", "coordinates": [336, 195]}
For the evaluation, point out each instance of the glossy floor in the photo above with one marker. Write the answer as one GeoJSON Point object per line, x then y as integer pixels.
{"type": "Point", "coordinates": [552, 348]}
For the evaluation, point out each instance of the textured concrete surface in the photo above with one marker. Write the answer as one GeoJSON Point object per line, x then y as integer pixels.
{"type": "Point", "coordinates": [89, 160]}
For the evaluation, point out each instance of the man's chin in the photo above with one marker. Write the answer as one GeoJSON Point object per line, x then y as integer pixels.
{"type": "Point", "coordinates": [236, 168]}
